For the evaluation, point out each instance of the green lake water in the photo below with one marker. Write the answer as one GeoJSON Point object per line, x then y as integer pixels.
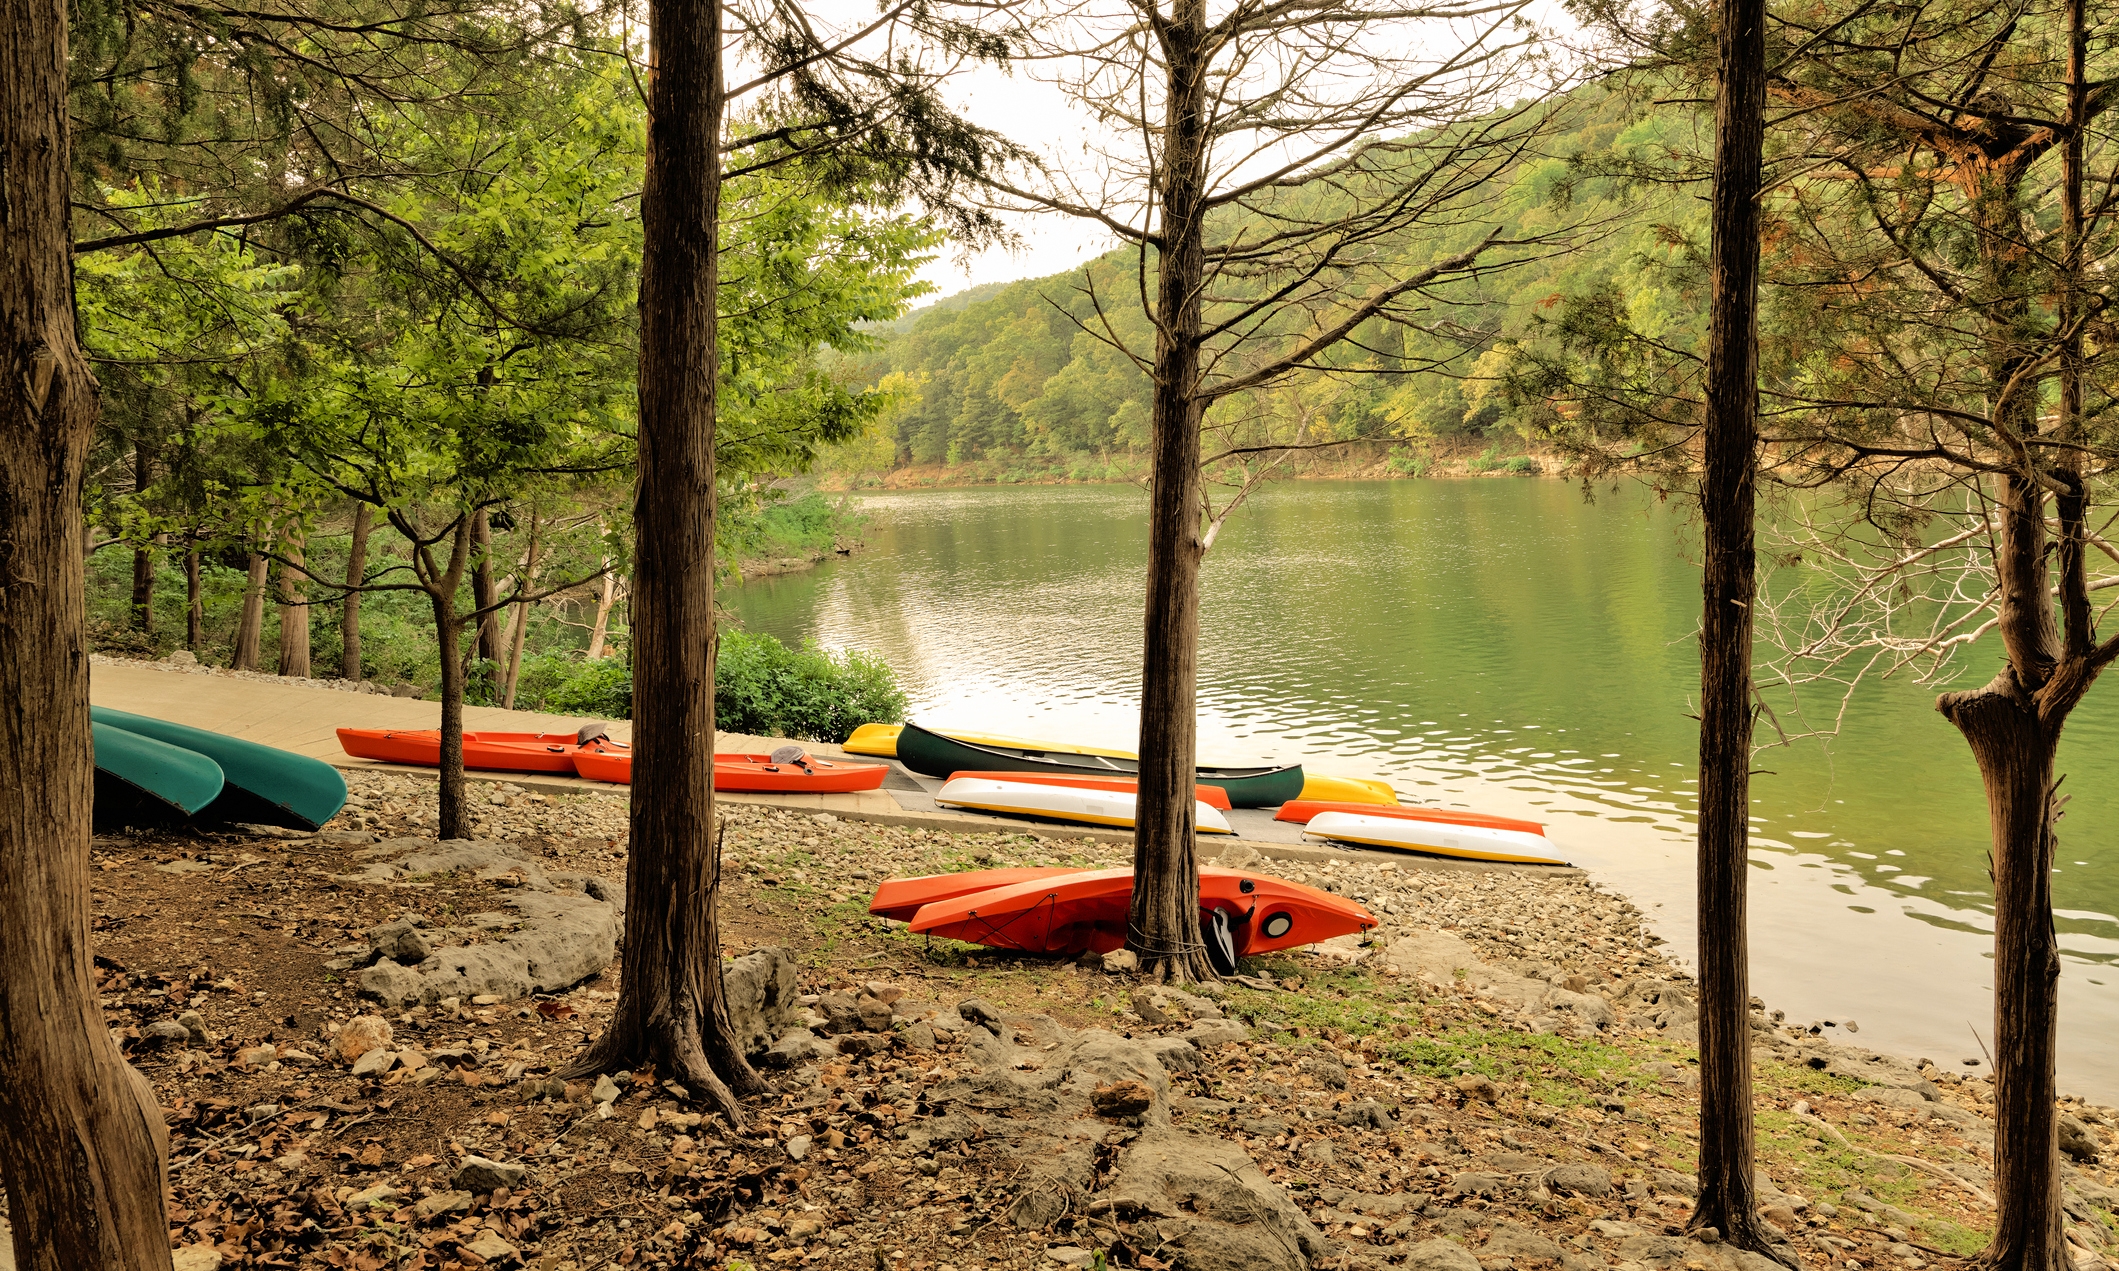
{"type": "Point", "coordinates": [1498, 644]}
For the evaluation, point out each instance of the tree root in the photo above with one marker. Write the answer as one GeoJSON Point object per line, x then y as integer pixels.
{"type": "Point", "coordinates": [1929, 1167]}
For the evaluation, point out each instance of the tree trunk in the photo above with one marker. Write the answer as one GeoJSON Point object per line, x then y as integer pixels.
{"type": "Point", "coordinates": [1728, 586]}
{"type": "Point", "coordinates": [294, 608]}
{"type": "Point", "coordinates": [671, 1011]}
{"type": "Point", "coordinates": [250, 629]}
{"type": "Point", "coordinates": [519, 624]}
{"type": "Point", "coordinates": [83, 1150]}
{"type": "Point", "coordinates": [442, 586]}
{"type": "Point", "coordinates": [194, 600]}
{"type": "Point", "coordinates": [600, 630]}
{"type": "Point", "coordinates": [482, 588]}
{"type": "Point", "coordinates": [349, 622]}
{"type": "Point", "coordinates": [143, 560]}
{"type": "Point", "coordinates": [1163, 927]}
{"type": "Point", "coordinates": [2013, 736]}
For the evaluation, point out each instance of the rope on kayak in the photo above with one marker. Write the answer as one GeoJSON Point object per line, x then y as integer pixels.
{"type": "Point", "coordinates": [1136, 940]}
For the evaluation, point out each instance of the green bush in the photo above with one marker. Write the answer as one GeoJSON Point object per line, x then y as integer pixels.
{"type": "Point", "coordinates": [764, 688]}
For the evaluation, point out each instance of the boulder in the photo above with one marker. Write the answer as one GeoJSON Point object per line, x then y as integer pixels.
{"type": "Point", "coordinates": [1579, 1178]}
{"type": "Point", "coordinates": [1440, 1255]}
{"type": "Point", "coordinates": [480, 1176]}
{"type": "Point", "coordinates": [360, 1035]}
{"type": "Point", "coordinates": [760, 990]}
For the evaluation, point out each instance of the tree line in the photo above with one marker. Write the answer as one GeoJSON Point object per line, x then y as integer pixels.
{"type": "Point", "coordinates": [420, 291]}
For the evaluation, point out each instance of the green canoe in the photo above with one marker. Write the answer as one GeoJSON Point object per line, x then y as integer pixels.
{"type": "Point", "coordinates": [141, 781]}
{"type": "Point", "coordinates": [265, 786]}
{"type": "Point", "coordinates": [938, 756]}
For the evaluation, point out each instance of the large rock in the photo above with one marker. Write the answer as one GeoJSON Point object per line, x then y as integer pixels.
{"type": "Point", "coordinates": [565, 938]}
{"type": "Point", "coordinates": [360, 1035]}
{"type": "Point", "coordinates": [1440, 1255]}
{"type": "Point", "coordinates": [760, 991]}
{"type": "Point", "coordinates": [1439, 957]}
{"type": "Point", "coordinates": [1239, 1217]}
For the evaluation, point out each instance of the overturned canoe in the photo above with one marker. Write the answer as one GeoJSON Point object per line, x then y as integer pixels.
{"type": "Point", "coordinates": [144, 782]}
{"type": "Point", "coordinates": [740, 773]}
{"type": "Point", "coordinates": [1319, 787]}
{"type": "Point", "coordinates": [1061, 803]}
{"type": "Point", "coordinates": [925, 751]}
{"type": "Point", "coordinates": [1212, 796]}
{"type": "Point", "coordinates": [264, 785]}
{"type": "Point", "coordinates": [1299, 811]}
{"type": "Point", "coordinates": [1076, 913]}
{"type": "Point", "coordinates": [1467, 842]}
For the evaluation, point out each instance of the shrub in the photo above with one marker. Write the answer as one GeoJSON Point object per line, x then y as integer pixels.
{"type": "Point", "coordinates": [765, 688]}
{"type": "Point", "coordinates": [602, 689]}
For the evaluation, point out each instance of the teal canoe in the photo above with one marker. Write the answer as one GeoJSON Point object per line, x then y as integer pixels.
{"type": "Point", "coordinates": [265, 785]}
{"type": "Point", "coordinates": [938, 756]}
{"type": "Point", "coordinates": [141, 781]}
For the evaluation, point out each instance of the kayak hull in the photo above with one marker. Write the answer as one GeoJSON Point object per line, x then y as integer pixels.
{"type": "Point", "coordinates": [1300, 811]}
{"type": "Point", "coordinates": [901, 898]}
{"type": "Point", "coordinates": [1112, 807]}
{"type": "Point", "coordinates": [1212, 796]}
{"type": "Point", "coordinates": [1347, 790]}
{"type": "Point", "coordinates": [935, 755]}
{"type": "Point", "coordinates": [1466, 842]}
{"type": "Point", "coordinates": [483, 751]}
{"type": "Point", "coordinates": [141, 781]}
{"type": "Point", "coordinates": [1087, 911]}
{"type": "Point", "coordinates": [263, 785]}
{"type": "Point", "coordinates": [736, 773]}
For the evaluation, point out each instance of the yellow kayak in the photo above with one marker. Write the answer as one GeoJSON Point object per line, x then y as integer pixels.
{"type": "Point", "coordinates": [882, 739]}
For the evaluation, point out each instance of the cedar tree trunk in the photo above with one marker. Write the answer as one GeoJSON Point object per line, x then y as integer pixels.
{"type": "Point", "coordinates": [294, 609]}
{"type": "Point", "coordinates": [143, 559]}
{"type": "Point", "coordinates": [349, 623]}
{"type": "Point", "coordinates": [671, 1010]}
{"type": "Point", "coordinates": [1728, 586]}
{"type": "Point", "coordinates": [2013, 730]}
{"type": "Point", "coordinates": [1163, 927]}
{"type": "Point", "coordinates": [602, 626]}
{"type": "Point", "coordinates": [250, 629]}
{"type": "Point", "coordinates": [482, 588]}
{"type": "Point", "coordinates": [442, 585]}
{"type": "Point", "coordinates": [83, 1150]}
{"type": "Point", "coordinates": [519, 624]}
{"type": "Point", "coordinates": [194, 600]}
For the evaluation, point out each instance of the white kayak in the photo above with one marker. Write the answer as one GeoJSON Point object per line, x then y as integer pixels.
{"type": "Point", "coordinates": [1472, 842]}
{"type": "Point", "coordinates": [1063, 803]}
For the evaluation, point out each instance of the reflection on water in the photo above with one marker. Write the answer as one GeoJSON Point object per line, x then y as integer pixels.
{"type": "Point", "coordinates": [1504, 644]}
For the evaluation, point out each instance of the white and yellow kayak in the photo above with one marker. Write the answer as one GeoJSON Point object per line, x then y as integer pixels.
{"type": "Point", "coordinates": [882, 739]}
{"type": "Point", "coordinates": [1061, 803]}
{"type": "Point", "coordinates": [1470, 842]}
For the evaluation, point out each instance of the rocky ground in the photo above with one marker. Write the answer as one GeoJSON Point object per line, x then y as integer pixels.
{"type": "Point", "coordinates": [357, 1037]}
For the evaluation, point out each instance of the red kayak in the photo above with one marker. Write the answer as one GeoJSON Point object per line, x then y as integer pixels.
{"type": "Point", "coordinates": [748, 773]}
{"type": "Point", "coordinates": [490, 752]}
{"type": "Point", "coordinates": [1301, 810]}
{"type": "Point", "coordinates": [901, 898]}
{"type": "Point", "coordinates": [1212, 796]}
{"type": "Point", "coordinates": [1087, 911]}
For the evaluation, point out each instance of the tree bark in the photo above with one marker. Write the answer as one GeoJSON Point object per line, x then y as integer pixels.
{"type": "Point", "coordinates": [83, 1150]}
{"type": "Point", "coordinates": [1728, 479]}
{"type": "Point", "coordinates": [250, 628]}
{"type": "Point", "coordinates": [482, 588]}
{"type": "Point", "coordinates": [600, 630]}
{"type": "Point", "coordinates": [143, 561]}
{"type": "Point", "coordinates": [519, 623]}
{"type": "Point", "coordinates": [671, 1012]}
{"type": "Point", "coordinates": [1163, 926]}
{"type": "Point", "coordinates": [294, 608]}
{"type": "Point", "coordinates": [194, 600]}
{"type": "Point", "coordinates": [442, 583]}
{"type": "Point", "coordinates": [349, 622]}
{"type": "Point", "coordinates": [2013, 729]}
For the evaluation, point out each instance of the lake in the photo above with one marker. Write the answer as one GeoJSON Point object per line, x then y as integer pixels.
{"type": "Point", "coordinates": [1505, 645]}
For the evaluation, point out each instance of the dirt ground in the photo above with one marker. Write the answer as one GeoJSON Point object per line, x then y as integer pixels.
{"type": "Point", "coordinates": [1396, 1113]}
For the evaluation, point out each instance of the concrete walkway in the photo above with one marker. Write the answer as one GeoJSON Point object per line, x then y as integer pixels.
{"type": "Point", "coordinates": [301, 717]}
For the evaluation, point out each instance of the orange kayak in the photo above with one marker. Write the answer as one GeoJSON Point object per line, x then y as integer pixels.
{"type": "Point", "coordinates": [491, 752]}
{"type": "Point", "coordinates": [901, 898]}
{"type": "Point", "coordinates": [1087, 911]}
{"type": "Point", "coordinates": [1212, 796]}
{"type": "Point", "coordinates": [1301, 810]}
{"type": "Point", "coordinates": [752, 773]}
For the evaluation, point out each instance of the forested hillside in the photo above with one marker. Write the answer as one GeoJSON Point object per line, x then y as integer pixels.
{"type": "Point", "coordinates": [1017, 382]}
